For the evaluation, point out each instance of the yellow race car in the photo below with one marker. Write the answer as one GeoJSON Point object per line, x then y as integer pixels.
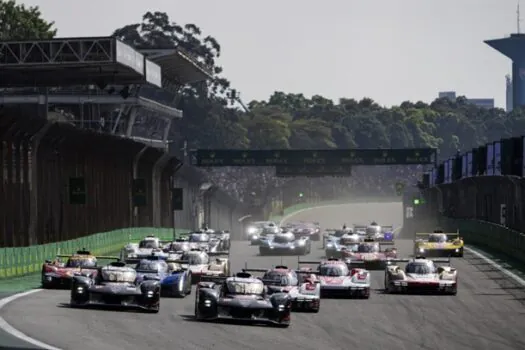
{"type": "Point", "coordinates": [438, 244]}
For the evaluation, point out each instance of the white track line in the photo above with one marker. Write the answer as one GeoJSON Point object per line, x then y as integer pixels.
{"type": "Point", "coordinates": [494, 264]}
{"type": "Point", "coordinates": [6, 327]}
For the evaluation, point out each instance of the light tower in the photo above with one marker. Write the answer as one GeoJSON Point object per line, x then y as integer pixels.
{"type": "Point", "coordinates": [514, 48]}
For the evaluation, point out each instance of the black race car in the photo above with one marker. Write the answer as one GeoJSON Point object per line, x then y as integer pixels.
{"type": "Point", "coordinates": [114, 285]}
{"type": "Point", "coordinates": [241, 298]}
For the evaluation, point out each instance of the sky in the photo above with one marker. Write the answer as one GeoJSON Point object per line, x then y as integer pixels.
{"type": "Point", "coordinates": [390, 51]}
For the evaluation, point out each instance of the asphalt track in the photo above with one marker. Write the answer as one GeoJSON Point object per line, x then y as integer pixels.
{"type": "Point", "coordinates": [484, 315]}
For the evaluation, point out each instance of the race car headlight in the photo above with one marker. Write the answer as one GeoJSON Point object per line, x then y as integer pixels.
{"type": "Point", "coordinates": [292, 247]}
{"type": "Point", "coordinates": [457, 250]}
{"type": "Point", "coordinates": [421, 250]}
{"type": "Point", "coordinates": [252, 230]}
{"type": "Point", "coordinates": [301, 243]}
{"type": "Point", "coordinates": [281, 307]}
{"type": "Point", "coordinates": [270, 246]}
{"type": "Point", "coordinates": [207, 303]}
{"type": "Point", "coordinates": [329, 245]}
{"type": "Point", "coordinates": [254, 237]}
{"type": "Point", "coordinates": [80, 290]}
{"type": "Point", "coordinates": [149, 294]}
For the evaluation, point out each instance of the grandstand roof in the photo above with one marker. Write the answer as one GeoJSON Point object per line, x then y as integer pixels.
{"type": "Point", "coordinates": [177, 66]}
{"type": "Point", "coordinates": [73, 61]}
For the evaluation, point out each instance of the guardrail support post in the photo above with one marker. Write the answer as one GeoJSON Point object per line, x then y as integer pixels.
{"type": "Point", "coordinates": [33, 194]}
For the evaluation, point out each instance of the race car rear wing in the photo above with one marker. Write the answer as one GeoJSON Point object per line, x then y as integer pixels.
{"type": "Point", "coordinates": [213, 278]}
{"type": "Point", "coordinates": [221, 253]}
{"type": "Point", "coordinates": [450, 235]}
{"type": "Point", "coordinates": [435, 260]}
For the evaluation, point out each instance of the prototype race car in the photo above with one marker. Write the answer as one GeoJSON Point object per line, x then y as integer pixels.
{"type": "Point", "coordinates": [114, 285]}
{"type": "Point", "coordinates": [134, 252]}
{"type": "Point", "coordinates": [301, 285]}
{"type": "Point", "coordinates": [337, 280]}
{"type": "Point", "coordinates": [375, 232]}
{"type": "Point", "coordinates": [335, 248]}
{"type": "Point", "coordinates": [285, 244]}
{"type": "Point", "coordinates": [308, 229]}
{"type": "Point", "coordinates": [198, 262]}
{"type": "Point", "coordinates": [174, 280]}
{"type": "Point", "coordinates": [220, 240]}
{"type": "Point", "coordinates": [179, 245]}
{"type": "Point", "coordinates": [421, 275]}
{"type": "Point", "coordinates": [334, 235]}
{"type": "Point", "coordinates": [56, 274]}
{"type": "Point", "coordinates": [370, 253]}
{"type": "Point", "coordinates": [260, 230]}
{"type": "Point", "coordinates": [241, 298]}
{"type": "Point", "coordinates": [439, 244]}
{"type": "Point", "coordinates": [199, 240]}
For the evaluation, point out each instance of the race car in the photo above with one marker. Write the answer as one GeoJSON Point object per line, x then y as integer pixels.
{"type": "Point", "coordinates": [175, 249]}
{"type": "Point", "coordinates": [174, 280]}
{"type": "Point", "coordinates": [56, 274]}
{"type": "Point", "coordinates": [371, 253]}
{"type": "Point", "coordinates": [334, 235]}
{"type": "Point", "coordinates": [198, 262]}
{"type": "Point", "coordinates": [199, 240]}
{"type": "Point", "coordinates": [334, 248]}
{"type": "Point", "coordinates": [301, 285]}
{"type": "Point", "coordinates": [114, 286]}
{"type": "Point", "coordinates": [421, 275]}
{"type": "Point", "coordinates": [438, 244]}
{"type": "Point", "coordinates": [337, 280]}
{"type": "Point", "coordinates": [241, 298]}
{"type": "Point", "coordinates": [285, 244]}
{"type": "Point", "coordinates": [134, 252]}
{"type": "Point", "coordinates": [261, 229]}
{"type": "Point", "coordinates": [223, 239]}
{"type": "Point", "coordinates": [375, 232]}
{"type": "Point", "coordinates": [308, 229]}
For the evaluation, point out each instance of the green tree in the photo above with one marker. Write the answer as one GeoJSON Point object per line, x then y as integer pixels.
{"type": "Point", "coordinates": [18, 22]}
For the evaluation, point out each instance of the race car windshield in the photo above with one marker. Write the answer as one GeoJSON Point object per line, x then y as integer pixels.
{"type": "Point", "coordinates": [419, 269]}
{"type": "Point", "coordinates": [283, 239]}
{"type": "Point", "coordinates": [349, 240]}
{"type": "Point", "coordinates": [254, 288]}
{"type": "Point", "coordinates": [199, 237]}
{"type": "Point", "coordinates": [149, 244]}
{"type": "Point", "coordinates": [437, 238]}
{"type": "Point", "coordinates": [153, 266]}
{"type": "Point", "coordinates": [368, 248]}
{"type": "Point", "coordinates": [75, 262]}
{"type": "Point", "coordinates": [196, 259]}
{"type": "Point", "coordinates": [333, 270]}
{"type": "Point", "coordinates": [277, 279]}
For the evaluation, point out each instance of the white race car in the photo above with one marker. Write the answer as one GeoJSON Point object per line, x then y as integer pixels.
{"type": "Point", "coordinates": [134, 252]}
{"type": "Point", "coordinates": [202, 263]}
{"type": "Point", "coordinates": [337, 280]}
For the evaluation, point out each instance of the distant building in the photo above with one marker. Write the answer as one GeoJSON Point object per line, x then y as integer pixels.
{"type": "Point", "coordinates": [451, 95]}
{"type": "Point", "coordinates": [480, 102]}
{"type": "Point", "coordinates": [509, 94]}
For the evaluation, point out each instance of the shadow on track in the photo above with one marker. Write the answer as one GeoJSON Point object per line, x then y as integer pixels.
{"type": "Point", "coordinates": [192, 318]}
{"type": "Point", "coordinates": [109, 308]}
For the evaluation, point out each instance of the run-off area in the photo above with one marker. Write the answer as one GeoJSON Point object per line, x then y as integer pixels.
{"type": "Point", "coordinates": [485, 314]}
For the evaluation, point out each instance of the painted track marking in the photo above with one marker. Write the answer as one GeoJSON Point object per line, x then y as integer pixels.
{"type": "Point", "coordinates": [494, 264]}
{"type": "Point", "coordinates": [6, 327]}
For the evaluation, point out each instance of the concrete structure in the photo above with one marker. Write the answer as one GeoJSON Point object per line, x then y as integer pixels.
{"type": "Point", "coordinates": [514, 48]}
{"type": "Point", "coordinates": [508, 93]}
{"type": "Point", "coordinates": [480, 102]}
{"type": "Point", "coordinates": [451, 95]}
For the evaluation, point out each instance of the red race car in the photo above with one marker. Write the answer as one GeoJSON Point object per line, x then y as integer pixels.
{"type": "Point", "coordinates": [57, 274]}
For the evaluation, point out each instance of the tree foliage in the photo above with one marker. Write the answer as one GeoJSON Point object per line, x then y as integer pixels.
{"type": "Point", "coordinates": [18, 22]}
{"type": "Point", "coordinates": [291, 120]}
